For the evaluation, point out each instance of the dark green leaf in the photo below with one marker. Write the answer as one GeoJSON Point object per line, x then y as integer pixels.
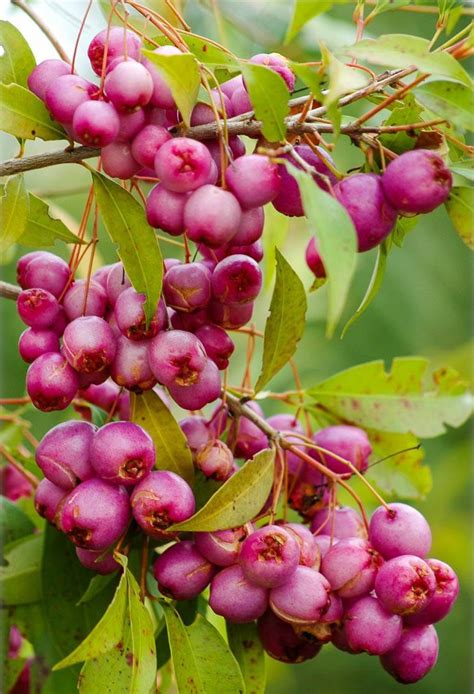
{"type": "Point", "coordinates": [17, 60]}
{"type": "Point", "coordinates": [97, 584]}
{"type": "Point", "coordinates": [42, 230]}
{"type": "Point", "coordinates": [269, 96]}
{"type": "Point", "coordinates": [14, 209]}
{"type": "Point", "coordinates": [447, 99]}
{"type": "Point", "coordinates": [14, 523]}
{"type": "Point", "coordinates": [247, 648]}
{"type": "Point", "coordinates": [374, 285]}
{"type": "Point", "coordinates": [286, 322]}
{"type": "Point", "coordinates": [20, 578]}
{"type": "Point", "coordinates": [408, 112]}
{"type": "Point", "coordinates": [311, 76]}
{"type": "Point", "coordinates": [137, 245]}
{"type": "Point", "coordinates": [238, 500]}
{"type": "Point", "coordinates": [399, 401]}
{"type": "Point", "coordinates": [403, 50]}
{"type": "Point", "coordinates": [460, 207]}
{"type": "Point", "coordinates": [172, 450]}
{"type": "Point", "coordinates": [181, 73]}
{"type": "Point", "coordinates": [336, 241]}
{"type": "Point", "coordinates": [22, 114]}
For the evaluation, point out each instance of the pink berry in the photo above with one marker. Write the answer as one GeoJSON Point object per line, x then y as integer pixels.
{"type": "Point", "coordinates": [44, 73]}
{"type": "Point", "coordinates": [131, 124]}
{"type": "Point", "coordinates": [313, 258]}
{"type": "Point", "coordinates": [43, 270]}
{"type": "Point", "coordinates": [253, 179]}
{"type": "Point", "coordinates": [89, 344]}
{"type": "Point", "coordinates": [129, 85]}
{"type": "Point", "coordinates": [348, 442]}
{"type": "Point", "coordinates": [160, 500]}
{"type": "Point", "coordinates": [399, 530]}
{"type": "Point", "coordinates": [64, 94]}
{"type": "Point", "coordinates": [303, 598]}
{"type": "Point", "coordinates": [309, 550]}
{"type": "Point", "coordinates": [269, 556]}
{"type": "Point", "coordinates": [130, 368]}
{"type": "Point", "coordinates": [230, 316]}
{"type": "Point", "coordinates": [118, 41]}
{"type": "Point", "coordinates": [221, 547]}
{"type": "Point", "coordinates": [130, 316]}
{"type": "Point", "coordinates": [371, 628]}
{"type": "Point", "coordinates": [165, 210]}
{"type": "Point", "coordinates": [122, 453]}
{"type": "Point", "coordinates": [183, 164]}
{"type": "Point", "coordinates": [218, 345]}
{"type": "Point", "coordinates": [48, 499]}
{"type": "Point", "coordinates": [117, 282]}
{"type": "Point", "coordinates": [95, 123]}
{"type": "Point", "coordinates": [446, 593]}
{"type": "Point", "coordinates": [176, 357]}
{"type": "Point", "coordinates": [351, 567]}
{"type": "Point", "coordinates": [211, 216]}
{"type": "Point", "coordinates": [405, 584]}
{"type": "Point", "coordinates": [343, 522]}
{"type": "Point", "coordinates": [147, 143]}
{"type": "Point", "coordinates": [204, 390]}
{"type": "Point", "coordinates": [278, 64]}
{"type": "Point", "coordinates": [85, 299]}
{"type": "Point", "coordinates": [236, 598]}
{"type": "Point", "coordinates": [250, 227]}
{"type": "Point", "coordinates": [414, 655]}
{"type": "Point", "coordinates": [95, 561]}
{"type": "Point", "coordinates": [51, 383]}
{"type": "Point", "coordinates": [196, 430]}
{"type": "Point", "coordinates": [118, 162]}
{"type": "Point", "coordinates": [38, 308]}
{"type": "Point", "coordinates": [63, 454]}
{"type": "Point", "coordinates": [187, 286]}
{"type": "Point", "coordinates": [236, 280]}
{"type": "Point", "coordinates": [215, 460]}
{"type": "Point", "coordinates": [281, 642]}
{"type": "Point", "coordinates": [182, 572]}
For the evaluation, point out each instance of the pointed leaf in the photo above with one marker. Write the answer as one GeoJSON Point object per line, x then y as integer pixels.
{"type": "Point", "coordinates": [181, 73]}
{"type": "Point", "coordinates": [143, 651]}
{"type": "Point", "coordinates": [125, 221]}
{"type": "Point", "coordinates": [14, 523]}
{"type": "Point", "coordinates": [336, 241]}
{"type": "Point", "coordinates": [403, 50]}
{"type": "Point", "coordinates": [313, 77]}
{"type": "Point", "coordinates": [269, 96]}
{"type": "Point", "coordinates": [172, 450]}
{"type": "Point", "coordinates": [374, 286]}
{"type": "Point", "coordinates": [303, 11]}
{"type": "Point", "coordinates": [286, 322]}
{"type": "Point", "coordinates": [17, 60]}
{"type": "Point", "coordinates": [460, 207]}
{"type": "Point", "coordinates": [397, 401]}
{"type": "Point", "coordinates": [238, 500]}
{"type": "Point", "coordinates": [22, 114]}
{"type": "Point", "coordinates": [42, 230]}
{"type": "Point", "coordinates": [14, 209]}
{"type": "Point", "coordinates": [450, 100]}
{"type": "Point", "coordinates": [97, 584]}
{"type": "Point", "coordinates": [342, 80]}
{"type": "Point", "coordinates": [247, 648]}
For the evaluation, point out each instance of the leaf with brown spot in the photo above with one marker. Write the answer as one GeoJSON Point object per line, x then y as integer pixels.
{"type": "Point", "coordinates": [247, 648]}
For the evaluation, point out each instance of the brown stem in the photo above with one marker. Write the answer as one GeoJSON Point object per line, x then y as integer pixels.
{"type": "Point", "coordinates": [41, 25]}
{"type": "Point", "coordinates": [19, 467]}
{"type": "Point", "coordinates": [9, 291]}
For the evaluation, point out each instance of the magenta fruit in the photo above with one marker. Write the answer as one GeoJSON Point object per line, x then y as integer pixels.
{"type": "Point", "coordinates": [303, 599]}
{"type": "Point", "coordinates": [95, 514]}
{"type": "Point", "coordinates": [212, 216]}
{"type": "Point", "coordinates": [351, 567]}
{"type": "Point", "coordinates": [95, 123]}
{"type": "Point", "coordinates": [287, 424]}
{"type": "Point", "coordinates": [85, 299]}
{"type": "Point", "coordinates": [51, 383]}
{"type": "Point", "coordinates": [44, 73]}
{"type": "Point", "coordinates": [218, 345]}
{"type": "Point", "coordinates": [13, 484]}
{"type": "Point", "coordinates": [269, 556]}
{"type": "Point", "coordinates": [253, 179]}
{"type": "Point", "coordinates": [313, 258]}
{"type": "Point", "coordinates": [63, 454]}
{"type": "Point", "coordinates": [118, 162]}
{"type": "Point", "coordinates": [405, 584]}
{"type": "Point", "coordinates": [417, 182]}
{"type": "Point", "coordinates": [230, 317]}
{"type": "Point", "coordinates": [35, 342]}
{"type": "Point", "coordinates": [165, 210]}
{"type": "Point", "coordinates": [236, 280]}
{"type": "Point", "coordinates": [130, 316]}
{"type": "Point", "coordinates": [325, 543]}
{"type": "Point", "coordinates": [348, 442]}
{"type": "Point", "coordinates": [117, 282]}
{"type": "Point", "coordinates": [187, 286]}
{"type": "Point", "coordinates": [95, 561]}
{"type": "Point", "coordinates": [236, 598]}
{"type": "Point", "coordinates": [131, 368]}
{"type": "Point", "coordinates": [414, 655]}
{"type": "Point", "coordinates": [371, 628]}
{"type": "Point", "coordinates": [38, 308]}
{"type": "Point", "coordinates": [221, 547]}
{"type": "Point", "coordinates": [281, 642]}
{"type": "Point", "coordinates": [204, 390]}
{"type": "Point", "coordinates": [399, 530]}
{"type": "Point", "coordinates": [64, 94]}
{"type": "Point", "coordinates": [215, 460]}
{"type": "Point", "coordinates": [445, 595]}
{"type": "Point", "coordinates": [89, 344]}
{"type": "Point", "coordinates": [278, 64]}
{"type": "Point", "coordinates": [147, 142]}
{"type": "Point", "coordinates": [48, 498]}
{"type": "Point", "coordinates": [196, 430]}
{"type": "Point", "coordinates": [309, 550]}
{"type": "Point", "coordinates": [183, 164]}
{"type": "Point", "coordinates": [372, 215]}
{"type": "Point", "coordinates": [176, 357]}
{"type": "Point", "coordinates": [43, 270]}
{"type": "Point", "coordinates": [131, 123]}
{"type": "Point", "coordinates": [122, 453]}
{"type": "Point", "coordinates": [160, 500]}
{"type": "Point", "coordinates": [343, 522]}
{"type": "Point", "coordinates": [129, 85]}
{"type": "Point", "coordinates": [182, 573]}
{"type": "Point", "coordinates": [118, 41]}
{"type": "Point", "coordinates": [250, 228]}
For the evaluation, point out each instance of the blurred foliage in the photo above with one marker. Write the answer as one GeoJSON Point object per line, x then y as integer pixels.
{"type": "Point", "coordinates": [423, 308]}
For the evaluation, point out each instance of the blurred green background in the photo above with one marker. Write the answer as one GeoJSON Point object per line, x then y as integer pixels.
{"type": "Point", "coordinates": [424, 307]}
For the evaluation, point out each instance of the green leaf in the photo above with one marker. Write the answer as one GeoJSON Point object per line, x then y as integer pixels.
{"type": "Point", "coordinates": [374, 285]}
{"type": "Point", "coordinates": [137, 245]}
{"type": "Point", "coordinates": [408, 112]}
{"type": "Point", "coordinates": [14, 523]}
{"type": "Point", "coordinates": [106, 634]}
{"type": "Point", "coordinates": [342, 80]}
{"type": "Point", "coordinates": [460, 207]}
{"type": "Point", "coordinates": [20, 579]}
{"type": "Point", "coordinates": [247, 648]}
{"type": "Point", "coordinates": [312, 77]}
{"type": "Point", "coordinates": [403, 50]}
{"type": "Point", "coordinates": [22, 114]}
{"type": "Point", "coordinates": [238, 500]}
{"type": "Point", "coordinates": [41, 229]}
{"type": "Point", "coordinates": [143, 651]}
{"type": "Point", "coordinates": [387, 6]}
{"type": "Point", "coordinates": [336, 241]}
{"type": "Point", "coordinates": [274, 234]}
{"type": "Point", "coordinates": [17, 60]}
{"type": "Point", "coordinates": [286, 322]}
{"type": "Point", "coordinates": [172, 450]}
{"type": "Point", "coordinates": [269, 96]}
{"type": "Point", "coordinates": [404, 400]}
{"type": "Point", "coordinates": [403, 227]}
{"type": "Point", "coordinates": [465, 168]}
{"type": "Point", "coordinates": [303, 11]}
{"type": "Point", "coordinates": [222, 62]}
{"type": "Point", "coordinates": [97, 584]}
{"type": "Point", "coordinates": [13, 211]}
{"type": "Point", "coordinates": [447, 99]}
{"type": "Point", "coordinates": [402, 475]}
{"type": "Point", "coordinates": [202, 661]}
{"type": "Point", "coordinates": [181, 73]}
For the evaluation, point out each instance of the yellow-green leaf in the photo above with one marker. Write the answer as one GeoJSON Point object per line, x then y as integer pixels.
{"type": "Point", "coordinates": [17, 60]}
{"type": "Point", "coordinates": [22, 114]}
{"type": "Point", "coordinates": [14, 209]}
{"type": "Point", "coordinates": [269, 97]}
{"type": "Point", "coordinates": [460, 207]}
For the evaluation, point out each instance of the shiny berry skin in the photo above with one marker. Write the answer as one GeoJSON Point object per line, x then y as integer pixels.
{"type": "Point", "coordinates": [117, 282]}
{"type": "Point", "coordinates": [215, 460]}
{"type": "Point", "coordinates": [38, 308]}
{"type": "Point", "coordinates": [63, 454]}
{"type": "Point", "coordinates": [118, 162]}
{"type": "Point", "coordinates": [249, 439]}
{"type": "Point", "coordinates": [348, 442]}
{"type": "Point", "coordinates": [119, 41]}
{"type": "Point", "coordinates": [240, 101]}
{"type": "Point", "coordinates": [122, 453]}
{"type": "Point", "coordinates": [202, 113]}
{"type": "Point", "coordinates": [309, 550]}
{"type": "Point", "coordinates": [236, 280]}
{"type": "Point", "coordinates": [250, 228]}
{"type": "Point", "coordinates": [371, 628]}
{"type": "Point", "coordinates": [183, 165]}
{"type": "Point", "coordinates": [204, 390]}
{"type": "Point", "coordinates": [147, 142]}
{"type": "Point", "coordinates": [82, 299]}
{"type": "Point", "coordinates": [43, 270]}
{"type": "Point", "coordinates": [400, 530]}
{"type": "Point", "coordinates": [230, 316]}
{"type": "Point", "coordinates": [351, 567]}
{"type": "Point", "coordinates": [131, 368]}
{"type": "Point", "coordinates": [162, 96]}
{"type": "Point", "coordinates": [253, 179]}
{"type": "Point", "coordinates": [405, 584]}
{"type": "Point", "coordinates": [129, 85]}
{"type": "Point", "coordinates": [176, 357]}
{"type": "Point", "coordinates": [344, 522]}
{"type": "Point", "coordinates": [95, 123]}
{"type": "Point", "coordinates": [130, 316]}
{"type": "Point", "coordinates": [303, 598]}
{"type": "Point", "coordinates": [95, 514]}
{"type": "Point", "coordinates": [64, 94]}
{"type": "Point", "coordinates": [372, 215]}
{"type": "Point", "coordinates": [34, 342]}
{"type": "Point", "coordinates": [106, 395]}
{"type": "Point", "coordinates": [165, 210]}
{"type": "Point", "coordinates": [414, 655]}
{"type": "Point", "coordinates": [187, 286]}
{"type": "Point", "coordinates": [196, 431]}
{"type": "Point", "coordinates": [236, 598]}
{"type": "Point", "coordinates": [48, 498]}
{"type": "Point", "coordinates": [212, 216]}
{"type": "Point", "coordinates": [218, 345]}
{"type": "Point", "coordinates": [182, 573]}
{"type": "Point", "coordinates": [131, 123]}
{"type": "Point", "coordinates": [269, 556]}
{"type": "Point", "coordinates": [44, 73]}
{"type": "Point", "coordinates": [51, 383]}
{"type": "Point", "coordinates": [446, 593]}
{"type": "Point", "coordinates": [278, 64]}
{"type": "Point", "coordinates": [89, 344]}
{"type": "Point", "coordinates": [221, 547]}
{"type": "Point", "coordinates": [281, 642]}
{"type": "Point", "coordinates": [160, 500]}
{"type": "Point", "coordinates": [313, 258]}
{"type": "Point", "coordinates": [325, 542]}
{"type": "Point", "coordinates": [417, 182]}
{"type": "Point", "coordinates": [93, 560]}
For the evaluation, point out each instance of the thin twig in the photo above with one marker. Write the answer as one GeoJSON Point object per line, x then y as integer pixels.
{"type": "Point", "coordinates": [44, 28]}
